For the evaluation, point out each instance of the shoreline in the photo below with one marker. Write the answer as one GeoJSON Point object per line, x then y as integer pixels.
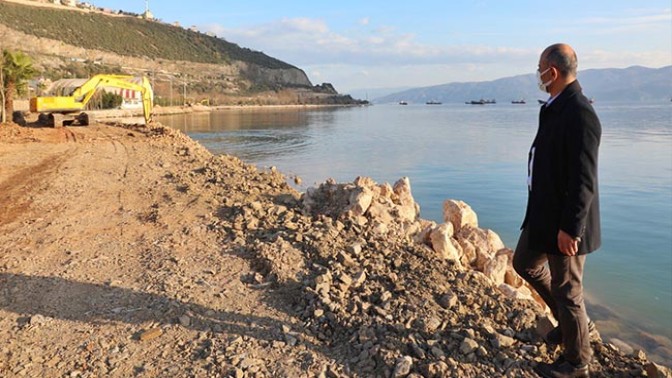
{"type": "Point", "coordinates": [211, 249]}
{"type": "Point", "coordinates": [121, 115]}
{"type": "Point", "coordinates": [203, 108]}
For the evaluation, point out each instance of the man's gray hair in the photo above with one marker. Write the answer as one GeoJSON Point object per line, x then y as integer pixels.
{"type": "Point", "coordinates": [563, 59]}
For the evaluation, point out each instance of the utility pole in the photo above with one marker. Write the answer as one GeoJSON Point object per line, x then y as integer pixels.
{"type": "Point", "coordinates": [171, 91]}
{"type": "Point", "coordinates": [184, 93]}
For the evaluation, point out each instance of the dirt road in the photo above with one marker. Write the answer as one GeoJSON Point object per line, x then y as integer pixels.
{"type": "Point", "coordinates": [94, 252]}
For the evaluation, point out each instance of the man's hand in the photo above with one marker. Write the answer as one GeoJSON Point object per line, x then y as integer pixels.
{"type": "Point", "coordinates": [567, 244]}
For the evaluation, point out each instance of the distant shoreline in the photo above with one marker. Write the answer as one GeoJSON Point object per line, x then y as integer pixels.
{"type": "Point", "coordinates": [117, 114]}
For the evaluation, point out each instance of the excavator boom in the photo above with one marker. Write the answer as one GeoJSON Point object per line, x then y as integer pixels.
{"type": "Point", "coordinates": [77, 101]}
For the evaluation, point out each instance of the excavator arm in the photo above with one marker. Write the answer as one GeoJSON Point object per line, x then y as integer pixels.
{"type": "Point", "coordinates": [77, 101]}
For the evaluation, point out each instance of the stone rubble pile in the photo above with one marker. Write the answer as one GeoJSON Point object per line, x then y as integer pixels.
{"type": "Point", "coordinates": [398, 296]}
{"type": "Point", "coordinates": [392, 209]}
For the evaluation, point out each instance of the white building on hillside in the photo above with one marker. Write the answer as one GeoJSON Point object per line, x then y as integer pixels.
{"type": "Point", "coordinates": [147, 15]}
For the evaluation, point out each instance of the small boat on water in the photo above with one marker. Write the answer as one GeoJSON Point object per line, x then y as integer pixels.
{"type": "Point", "coordinates": [403, 103]}
{"type": "Point", "coordinates": [521, 101]}
{"type": "Point", "coordinates": [432, 102]}
{"type": "Point", "coordinates": [541, 102]}
{"type": "Point", "coordinates": [481, 102]}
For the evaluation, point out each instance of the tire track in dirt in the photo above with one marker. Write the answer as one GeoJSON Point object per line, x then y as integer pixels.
{"type": "Point", "coordinates": [121, 153]}
{"type": "Point", "coordinates": [15, 193]}
{"type": "Point", "coordinates": [15, 198]}
{"type": "Point", "coordinates": [70, 136]}
{"type": "Point", "coordinates": [123, 177]}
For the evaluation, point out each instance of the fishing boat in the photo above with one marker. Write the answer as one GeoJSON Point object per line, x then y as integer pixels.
{"type": "Point", "coordinates": [521, 101]}
{"type": "Point", "coordinates": [476, 102]}
{"type": "Point", "coordinates": [403, 103]}
{"type": "Point", "coordinates": [481, 102]}
{"type": "Point", "coordinates": [432, 102]}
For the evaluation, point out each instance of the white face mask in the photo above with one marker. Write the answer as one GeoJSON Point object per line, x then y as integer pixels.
{"type": "Point", "coordinates": [543, 86]}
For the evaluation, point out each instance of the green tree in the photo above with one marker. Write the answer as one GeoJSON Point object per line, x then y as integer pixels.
{"type": "Point", "coordinates": [111, 100]}
{"type": "Point", "coordinates": [17, 69]}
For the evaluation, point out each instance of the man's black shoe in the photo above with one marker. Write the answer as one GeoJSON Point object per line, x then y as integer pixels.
{"type": "Point", "coordinates": [562, 368]}
{"type": "Point", "coordinates": [554, 336]}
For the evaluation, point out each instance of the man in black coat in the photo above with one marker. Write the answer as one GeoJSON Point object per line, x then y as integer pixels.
{"type": "Point", "coordinates": [562, 221]}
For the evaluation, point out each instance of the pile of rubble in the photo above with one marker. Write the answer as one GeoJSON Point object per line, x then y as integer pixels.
{"type": "Point", "coordinates": [397, 295]}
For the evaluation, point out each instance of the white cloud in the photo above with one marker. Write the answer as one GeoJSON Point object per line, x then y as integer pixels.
{"type": "Point", "coordinates": [644, 22]}
{"type": "Point", "coordinates": [304, 25]}
{"type": "Point", "coordinates": [637, 17]}
{"type": "Point", "coordinates": [384, 56]}
{"type": "Point", "coordinates": [310, 42]}
{"type": "Point", "coordinates": [622, 59]}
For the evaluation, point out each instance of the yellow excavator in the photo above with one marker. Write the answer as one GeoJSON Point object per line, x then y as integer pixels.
{"type": "Point", "coordinates": [62, 110]}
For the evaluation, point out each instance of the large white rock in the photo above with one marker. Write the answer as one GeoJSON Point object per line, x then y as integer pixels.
{"type": "Point", "coordinates": [520, 293]}
{"type": "Point", "coordinates": [511, 277]}
{"type": "Point", "coordinates": [405, 206]}
{"type": "Point", "coordinates": [476, 239]}
{"type": "Point", "coordinates": [495, 243]}
{"type": "Point", "coordinates": [364, 182]}
{"type": "Point", "coordinates": [479, 245]}
{"type": "Point", "coordinates": [380, 212]}
{"type": "Point", "coordinates": [423, 237]}
{"type": "Point", "coordinates": [402, 188]}
{"type": "Point", "coordinates": [459, 214]}
{"type": "Point", "coordinates": [411, 229]}
{"type": "Point", "coordinates": [495, 269]}
{"type": "Point", "coordinates": [442, 242]}
{"type": "Point", "coordinates": [406, 213]}
{"type": "Point", "coordinates": [360, 200]}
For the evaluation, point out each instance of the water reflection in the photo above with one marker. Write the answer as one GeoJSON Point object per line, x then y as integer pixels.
{"type": "Point", "coordinates": [228, 120]}
{"type": "Point", "coordinates": [253, 135]}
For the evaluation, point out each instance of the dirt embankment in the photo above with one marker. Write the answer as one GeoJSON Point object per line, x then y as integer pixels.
{"type": "Point", "coordinates": [135, 252]}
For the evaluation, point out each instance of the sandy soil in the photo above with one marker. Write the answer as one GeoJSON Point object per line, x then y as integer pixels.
{"type": "Point", "coordinates": [94, 252]}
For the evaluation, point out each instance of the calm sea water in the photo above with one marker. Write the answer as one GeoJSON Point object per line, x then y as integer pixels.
{"type": "Point", "coordinates": [478, 154]}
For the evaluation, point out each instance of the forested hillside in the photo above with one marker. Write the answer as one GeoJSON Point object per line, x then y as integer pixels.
{"type": "Point", "coordinates": [185, 66]}
{"type": "Point", "coordinates": [128, 36]}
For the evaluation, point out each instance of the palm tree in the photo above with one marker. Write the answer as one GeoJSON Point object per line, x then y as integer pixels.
{"type": "Point", "coordinates": [17, 68]}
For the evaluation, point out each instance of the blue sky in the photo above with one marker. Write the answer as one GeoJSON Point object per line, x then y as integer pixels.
{"type": "Point", "coordinates": [393, 44]}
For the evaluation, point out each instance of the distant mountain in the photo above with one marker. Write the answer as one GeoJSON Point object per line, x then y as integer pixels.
{"type": "Point", "coordinates": [368, 93]}
{"type": "Point", "coordinates": [612, 84]}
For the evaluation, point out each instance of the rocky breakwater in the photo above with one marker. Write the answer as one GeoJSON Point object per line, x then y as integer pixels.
{"type": "Point", "coordinates": [393, 295]}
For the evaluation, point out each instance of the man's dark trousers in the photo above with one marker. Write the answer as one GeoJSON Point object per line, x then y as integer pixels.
{"type": "Point", "coordinates": [561, 287]}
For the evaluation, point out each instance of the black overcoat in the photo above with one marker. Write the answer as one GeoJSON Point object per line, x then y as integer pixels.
{"type": "Point", "coordinates": [563, 190]}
